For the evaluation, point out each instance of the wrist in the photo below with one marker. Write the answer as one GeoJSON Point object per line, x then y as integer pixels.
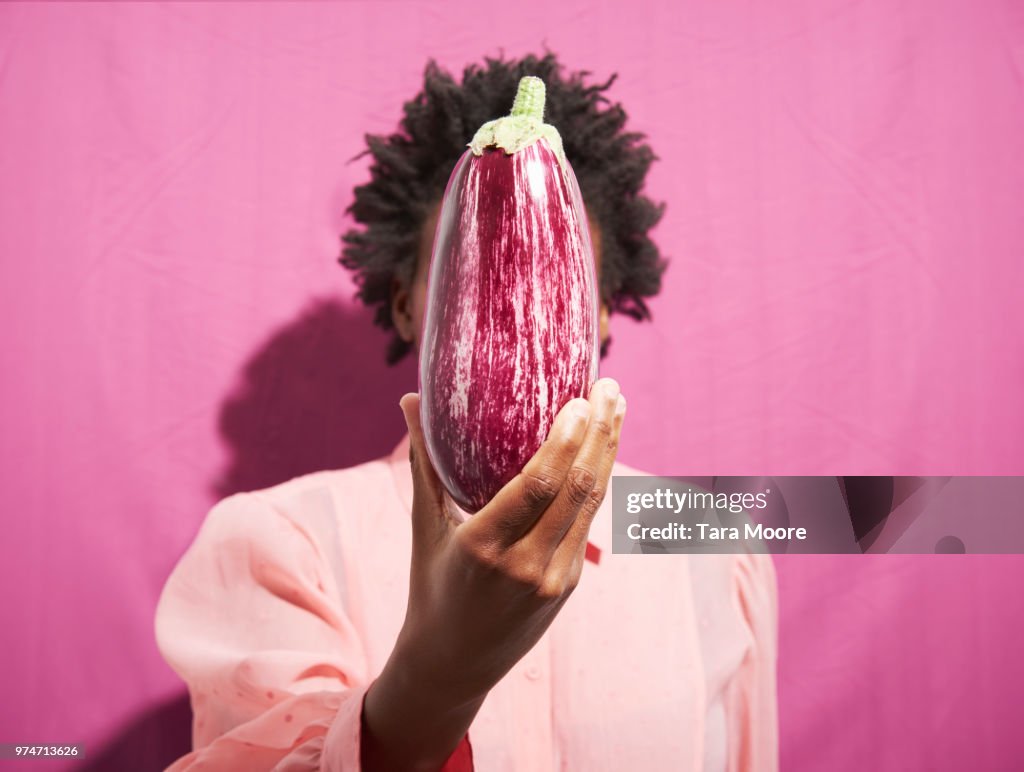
{"type": "Point", "coordinates": [424, 676]}
{"type": "Point", "coordinates": [409, 724]}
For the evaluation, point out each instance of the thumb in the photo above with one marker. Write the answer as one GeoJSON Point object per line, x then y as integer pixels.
{"type": "Point", "coordinates": [428, 494]}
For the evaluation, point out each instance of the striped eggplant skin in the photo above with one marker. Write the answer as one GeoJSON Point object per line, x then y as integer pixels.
{"type": "Point", "coordinates": [510, 332]}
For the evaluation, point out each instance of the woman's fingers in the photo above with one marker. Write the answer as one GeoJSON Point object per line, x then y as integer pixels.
{"type": "Point", "coordinates": [568, 559]}
{"type": "Point", "coordinates": [518, 505]}
{"type": "Point", "coordinates": [534, 511]}
{"type": "Point", "coordinates": [577, 502]}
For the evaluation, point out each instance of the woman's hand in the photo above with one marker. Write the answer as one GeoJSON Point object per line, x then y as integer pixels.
{"type": "Point", "coordinates": [483, 591]}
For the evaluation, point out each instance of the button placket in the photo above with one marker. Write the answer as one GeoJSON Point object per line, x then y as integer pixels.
{"type": "Point", "coordinates": [535, 688]}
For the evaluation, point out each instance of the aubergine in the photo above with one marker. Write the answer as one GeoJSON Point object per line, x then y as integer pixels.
{"type": "Point", "coordinates": [510, 332]}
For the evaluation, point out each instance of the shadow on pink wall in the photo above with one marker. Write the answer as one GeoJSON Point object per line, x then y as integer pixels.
{"type": "Point", "coordinates": [149, 743]}
{"type": "Point", "coordinates": [316, 395]}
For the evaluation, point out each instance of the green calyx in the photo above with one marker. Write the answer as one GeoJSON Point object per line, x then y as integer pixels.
{"type": "Point", "coordinates": [524, 126]}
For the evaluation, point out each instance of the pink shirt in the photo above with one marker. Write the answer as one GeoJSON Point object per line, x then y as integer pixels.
{"type": "Point", "coordinates": [287, 605]}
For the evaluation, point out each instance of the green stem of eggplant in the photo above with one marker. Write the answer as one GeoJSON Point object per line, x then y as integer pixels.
{"type": "Point", "coordinates": [529, 101]}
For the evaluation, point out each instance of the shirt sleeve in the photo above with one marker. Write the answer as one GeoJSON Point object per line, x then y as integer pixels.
{"type": "Point", "coordinates": [753, 725]}
{"type": "Point", "coordinates": [252, 620]}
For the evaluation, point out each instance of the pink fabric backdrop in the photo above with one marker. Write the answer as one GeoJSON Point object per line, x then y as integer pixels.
{"type": "Point", "coordinates": [845, 183]}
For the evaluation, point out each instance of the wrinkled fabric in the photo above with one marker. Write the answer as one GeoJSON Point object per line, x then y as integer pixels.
{"type": "Point", "coordinates": [843, 184]}
{"type": "Point", "coordinates": [288, 603]}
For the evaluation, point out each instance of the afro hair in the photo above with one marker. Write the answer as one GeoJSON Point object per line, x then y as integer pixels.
{"type": "Point", "coordinates": [409, 170]}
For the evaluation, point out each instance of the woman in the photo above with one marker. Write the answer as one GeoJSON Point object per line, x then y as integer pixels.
{"type": "Point", "coordinates": [343, 620]}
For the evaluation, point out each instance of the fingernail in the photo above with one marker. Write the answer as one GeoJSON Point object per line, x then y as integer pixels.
{"type": "Point", "coordinates": [611, 389]}
{"type": "Point", "coordinates": [620, 406]}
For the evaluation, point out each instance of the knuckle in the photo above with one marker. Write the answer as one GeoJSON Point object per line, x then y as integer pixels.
{"type": "Point", "coordinates": [602, 426]}
{"type": "Point", "coordinates": [578, 484]}
{"type": "Point", "coordinates": [572, 581]}
{"type": "Point", "coordinates": [552, 587]}
{"type": "Point", "coordinates": [566, 444]}
{"type": "Point", "coordinates": [539, 488]}
{"type": "Point", "coordinates": [594, 500]}
{"type": "Point", "coordinates": [528, 576]}
{"type": "Point", "coordinates": [480, 553]}
{"type": "Point", "coordinates": [488, 560]}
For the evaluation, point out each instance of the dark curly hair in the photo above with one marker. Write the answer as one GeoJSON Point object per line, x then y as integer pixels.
{"type": "Point", "coordinates": [411, 167]}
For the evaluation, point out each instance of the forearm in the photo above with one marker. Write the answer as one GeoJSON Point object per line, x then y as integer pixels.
{"type": "Point", "coordinates": [409, 724]}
